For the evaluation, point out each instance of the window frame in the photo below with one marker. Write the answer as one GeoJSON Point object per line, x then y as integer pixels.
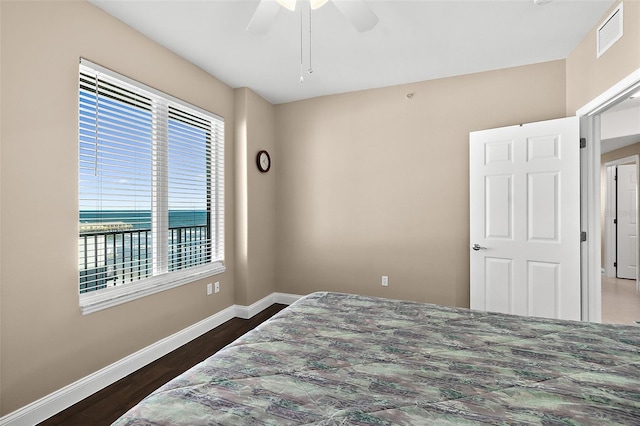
{"type": "Point", "coordinates": [111, 296]}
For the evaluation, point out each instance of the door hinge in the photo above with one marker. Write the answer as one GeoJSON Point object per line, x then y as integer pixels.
{"type": "Point", "coordinates": [615, 221]}
{"type": "Point", "coordinates": [583, 142]}
{"type": "Point", "coordinates": [615, 264]}
{"type": "Point", "coordinates": [583, 236]}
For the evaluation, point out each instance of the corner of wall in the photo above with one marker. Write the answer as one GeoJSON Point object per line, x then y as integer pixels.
{"type": "Point", "coordinates": [241, 228]}
{"type": "Point", "coordinates": [255, 198]}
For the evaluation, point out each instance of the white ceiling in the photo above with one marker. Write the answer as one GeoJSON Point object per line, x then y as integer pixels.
{"type": "Point", "coordinates": [413, 41]}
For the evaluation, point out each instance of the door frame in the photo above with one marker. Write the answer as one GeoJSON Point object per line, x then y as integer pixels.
{"type": "Point", "coordinates": [610, 205]}
{"type": "Point", "coordinates": [590, 189]}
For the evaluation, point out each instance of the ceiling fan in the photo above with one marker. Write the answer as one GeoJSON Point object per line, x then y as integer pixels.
{"type": "Point", "coordinates": [356, 11]}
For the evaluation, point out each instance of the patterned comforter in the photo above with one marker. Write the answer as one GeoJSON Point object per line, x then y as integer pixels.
{"type": "Point", "coordinates": [334, 359]}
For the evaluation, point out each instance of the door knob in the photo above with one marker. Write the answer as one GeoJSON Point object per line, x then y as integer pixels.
{"type": "Point", "coordinates": [477, 247]}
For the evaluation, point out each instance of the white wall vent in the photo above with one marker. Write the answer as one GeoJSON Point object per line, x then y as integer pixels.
{"type": "Point", "coordinates": [609, 31]}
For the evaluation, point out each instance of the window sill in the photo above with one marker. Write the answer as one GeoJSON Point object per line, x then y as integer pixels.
{"type": "Point", "coordinates": [112, 296]}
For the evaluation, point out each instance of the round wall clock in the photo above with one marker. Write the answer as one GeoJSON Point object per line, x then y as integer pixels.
{"type": "Point", "coordinates": [263, 160]}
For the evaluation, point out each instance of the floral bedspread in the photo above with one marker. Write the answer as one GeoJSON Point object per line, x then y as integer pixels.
{"type": "Point", "coordinates": [337, 359]}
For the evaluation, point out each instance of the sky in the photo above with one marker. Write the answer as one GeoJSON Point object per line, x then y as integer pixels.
{"type": "Point", "coordinates": [115, 162]}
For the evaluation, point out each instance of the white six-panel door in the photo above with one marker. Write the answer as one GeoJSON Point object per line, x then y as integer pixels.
{"type": "Point", "coordinates": [525, 219]}
{"type": "Point", "coordinates": [626, 238]}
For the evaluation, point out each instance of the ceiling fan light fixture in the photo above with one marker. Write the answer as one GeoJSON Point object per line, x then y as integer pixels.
{"type": "Point", "coordinates": [316, 4]}
{"type": "Point", "coordinates": [289, 4]}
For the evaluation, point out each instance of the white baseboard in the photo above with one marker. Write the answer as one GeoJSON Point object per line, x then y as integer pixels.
{"type": "Point", "coordinates": [246, 312]}
{"type": "Point", "coordinates": [285, 298]}
{"type": "Point", "coordinates": [62, 399]}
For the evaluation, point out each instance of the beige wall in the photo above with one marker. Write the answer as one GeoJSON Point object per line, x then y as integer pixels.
{"type": "Point", "coordinates": [627, 151]}
{"type": "Point", "coordinates": [256, 208]}
{"type": "Point", "coordinates": [589, 76]}
{"type": "Point", "coordinates": [373, 183]}
{"type": "Point", "coordinates": [46, 342]}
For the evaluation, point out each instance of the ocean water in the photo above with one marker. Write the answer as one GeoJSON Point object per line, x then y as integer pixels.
{"type": "Point", "coordinates": [108, 258]}
{"type": "Point", "coordinates": [141, 219]}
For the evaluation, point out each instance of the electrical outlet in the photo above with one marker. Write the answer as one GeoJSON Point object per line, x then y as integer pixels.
{"type": "Point", "coordinates": [385, 280]}
{"type": "Point", "coordinates": [209, 289]}
{"type": "Point", "coordinates": [217, 287]}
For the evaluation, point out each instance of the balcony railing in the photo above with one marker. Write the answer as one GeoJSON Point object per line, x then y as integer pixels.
{"type": "Point", "coordinates": [188, 246]}
{"type": "Point", "coordinates": [112, 256]}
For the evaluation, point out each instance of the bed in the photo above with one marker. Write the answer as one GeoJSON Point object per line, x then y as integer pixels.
{"type": "Point", "coordinates": [334, 359]}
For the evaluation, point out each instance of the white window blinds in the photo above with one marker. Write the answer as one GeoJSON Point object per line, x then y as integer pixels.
{"type": "Point", "coordinates": [151, 172]}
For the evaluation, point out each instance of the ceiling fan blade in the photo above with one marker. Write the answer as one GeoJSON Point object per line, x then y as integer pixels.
{"type": "Point", "coordinates": [357, 11]}
{"type": "Point", "coordinates": [263, 17]}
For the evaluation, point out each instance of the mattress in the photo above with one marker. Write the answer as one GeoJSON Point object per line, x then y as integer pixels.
{"type": "Point", "coordinates": [337, 359]}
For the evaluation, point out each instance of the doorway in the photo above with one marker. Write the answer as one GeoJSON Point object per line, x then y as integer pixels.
{"type": "Point", "coordinates": [591, 181]}
{"type": "Point", "coordinates": [620, 217]}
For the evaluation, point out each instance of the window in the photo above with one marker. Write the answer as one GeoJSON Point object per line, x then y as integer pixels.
{"type": "Point", "coordinates": [151, 204]}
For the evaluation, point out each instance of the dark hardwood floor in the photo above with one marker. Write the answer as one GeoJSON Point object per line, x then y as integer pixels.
{"type": "Point", "coordinates": [105, 406]}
